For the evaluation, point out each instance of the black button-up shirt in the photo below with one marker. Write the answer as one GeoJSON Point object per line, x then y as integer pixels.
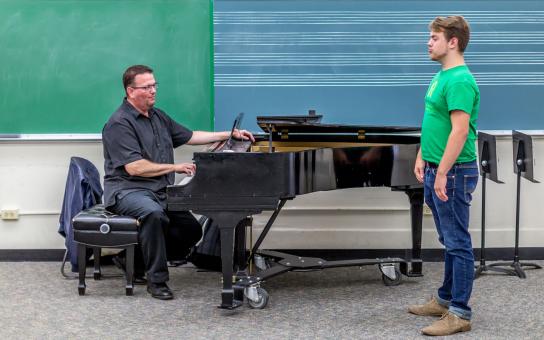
{"type": "Point", "coordinates": [129, 136]}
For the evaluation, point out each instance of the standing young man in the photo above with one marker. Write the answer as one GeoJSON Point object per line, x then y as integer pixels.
{"type": "Point", "coordinates": [446, 164]}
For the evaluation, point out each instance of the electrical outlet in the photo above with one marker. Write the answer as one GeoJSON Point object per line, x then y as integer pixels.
{"type": "Point", "coordinates": [427, 210]}
{"type": "Point", "coordinates": [10, 214]}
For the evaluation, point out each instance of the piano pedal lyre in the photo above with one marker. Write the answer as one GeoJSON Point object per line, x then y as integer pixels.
{"type": "Point", "coordinates": [234, 279]}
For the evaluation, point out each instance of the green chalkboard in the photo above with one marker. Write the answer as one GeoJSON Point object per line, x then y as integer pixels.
{"type": "Point", "coordinates": [61, 61]}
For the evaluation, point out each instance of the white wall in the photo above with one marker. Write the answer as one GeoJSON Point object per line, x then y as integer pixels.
{"type": "Point", "coordinates": [33, 175]}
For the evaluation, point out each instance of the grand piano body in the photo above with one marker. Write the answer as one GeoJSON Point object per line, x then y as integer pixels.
{"type": "Point", "coordinates": [296, 156]}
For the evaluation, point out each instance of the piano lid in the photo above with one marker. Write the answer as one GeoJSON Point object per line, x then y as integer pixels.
{"type": "Point", "coordinates": [309, 124]}
{"type": "Point", "coordinates": [311, 117]}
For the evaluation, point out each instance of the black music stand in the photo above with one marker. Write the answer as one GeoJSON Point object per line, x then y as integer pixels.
{"type": "Point", "coordinates": [523, 166]}
{"type": "Point", "coordinates": [487, 152]}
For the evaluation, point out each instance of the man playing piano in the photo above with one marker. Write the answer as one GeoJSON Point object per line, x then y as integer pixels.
{"type": "Point", "coordinates": [139, 163]}
{"type": "Point", "coordinates": [446, 164]}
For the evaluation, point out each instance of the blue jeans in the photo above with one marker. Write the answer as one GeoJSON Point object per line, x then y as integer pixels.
{"type": "Point", "coordinates": [452, 219]}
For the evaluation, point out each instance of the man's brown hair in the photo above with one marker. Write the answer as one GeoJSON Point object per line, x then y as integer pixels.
{"type": "Point", "coordinates": [453, 26]}
{"type": "Point", "coordinates": [132, 72]}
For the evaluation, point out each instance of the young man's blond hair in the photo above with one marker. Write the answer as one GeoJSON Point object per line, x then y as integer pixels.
{"type": "Point", "coordinates": [453, 27]}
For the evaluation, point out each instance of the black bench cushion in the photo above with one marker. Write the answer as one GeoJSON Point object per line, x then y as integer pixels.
{"type": "Point", "coordinates": [98, 227]}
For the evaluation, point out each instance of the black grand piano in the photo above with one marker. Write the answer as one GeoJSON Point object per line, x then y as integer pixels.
{"type": "Point", "coordinates": [296, 155]}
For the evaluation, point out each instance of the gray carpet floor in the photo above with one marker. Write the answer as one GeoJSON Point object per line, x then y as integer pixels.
{"type": "Point", "coordinates": [341, 303]}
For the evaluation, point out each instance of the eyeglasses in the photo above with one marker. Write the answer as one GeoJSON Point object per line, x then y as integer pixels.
{"type": "Point", "coordinates": [147, 87]}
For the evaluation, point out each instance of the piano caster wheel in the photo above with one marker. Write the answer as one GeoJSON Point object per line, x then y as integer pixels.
{"type": "Point", "coordinates": [261, 299]}
{"type": "Point", "coordinates": [393, 277]}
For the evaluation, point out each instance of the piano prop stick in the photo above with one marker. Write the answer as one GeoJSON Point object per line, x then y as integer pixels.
{"type": "Point", "coordinates": [523, 167]}
{"type": "Point", "coordinates": [297, 155]}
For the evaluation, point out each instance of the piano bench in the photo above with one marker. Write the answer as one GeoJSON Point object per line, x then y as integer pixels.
{"type": "Point", "coordinates": [98, 228]}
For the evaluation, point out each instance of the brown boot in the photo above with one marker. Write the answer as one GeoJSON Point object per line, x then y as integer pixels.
{"type": "Point", "coordinates": [431, 308]}
{"type": "Point", "coordinates": [448, 324]}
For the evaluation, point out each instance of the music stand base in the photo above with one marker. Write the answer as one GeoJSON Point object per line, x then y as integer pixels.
{"type": "Point", "coordinates": [517, 268]}
{"type": "Point", "coordinates": [481, 269]}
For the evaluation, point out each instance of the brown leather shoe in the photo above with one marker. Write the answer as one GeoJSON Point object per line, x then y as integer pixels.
{"type": "Point", "coordinates": [448, 324]}
{"type": "Point", "coordinates": [431, 308]}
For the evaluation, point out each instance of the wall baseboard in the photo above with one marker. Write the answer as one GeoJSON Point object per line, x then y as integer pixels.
{"type": "Point", "coordinates": [38, 255]}
{"type": "Point", "coordinates": [428, 255]}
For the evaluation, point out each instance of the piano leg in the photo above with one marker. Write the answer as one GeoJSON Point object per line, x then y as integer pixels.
{"type": "Point", "coordinates": [227, 248]}
{"type": "Point", "coordinates": [227, 223]}
{"type": "Point", "coordinates": [240, 244]}
{"type": "Point", "coordinates": [416, 213]}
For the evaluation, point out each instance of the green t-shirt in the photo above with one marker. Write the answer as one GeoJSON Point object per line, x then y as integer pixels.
{"type": "Point", "coordinates": [452, 89]}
